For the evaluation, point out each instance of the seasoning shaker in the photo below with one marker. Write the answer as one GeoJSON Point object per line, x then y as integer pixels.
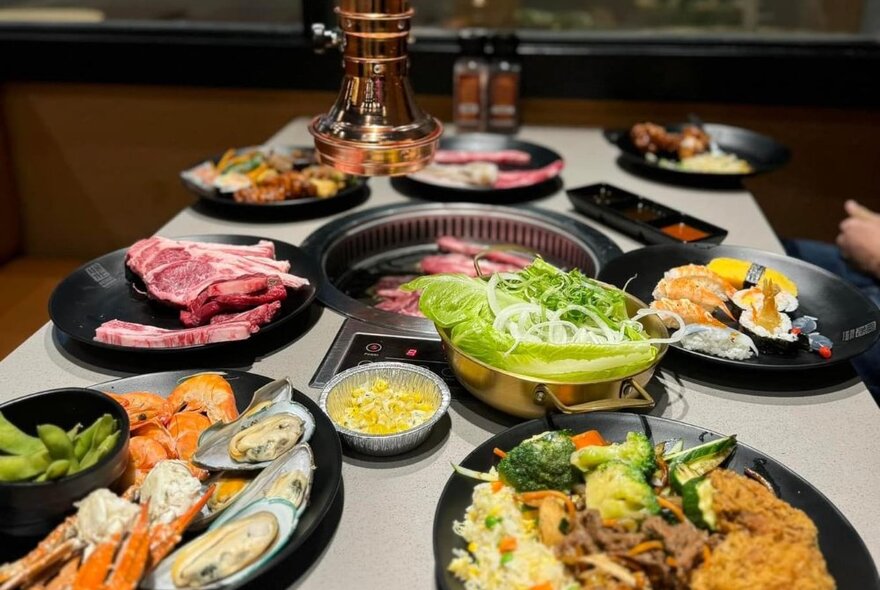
{"type": "Point", "coordinates": [505, 73]}
{"type": "Point", "coordinates": [470, 80]}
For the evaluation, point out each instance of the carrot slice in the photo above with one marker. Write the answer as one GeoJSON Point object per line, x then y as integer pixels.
{"type": "Point", "coordinates": [544, 586]}
{"type": "Point", "coordinates": [644, 547]}
{"type": "Point", "coordinates": [590, 438]}
{"type": "Point", "coordinates": [507, 544]}
{"type": "Point", "coordinates": [498, 452]}
{"type": "Point", "coordinates": [672, 507]}
{"type": "Point", "coordinates": [496, 486]}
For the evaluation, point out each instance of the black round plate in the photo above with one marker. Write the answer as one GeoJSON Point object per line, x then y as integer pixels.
{"type": "Point", "coordinates": [101, 290]}
{"type": "Point", "coordinates": [324, 443]}
{"type": "Point", "coordinates": [849, 561]}
{"type": "Point", "coordinates": [761, 152]}
{"type": "Point", "coordinates": [484, 142]}
{"type": "Point", "coordinates": [845, 315]}
{"type": "Point", "coordinates": [309, 207]}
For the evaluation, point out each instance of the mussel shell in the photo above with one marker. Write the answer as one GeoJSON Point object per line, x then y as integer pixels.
{"type": "Point", "coordinates": [299, 459]}
{"type": "Point", "coordinates": [267, 439]}
{"type": "Point", "coordinates": [286, 517]}
{"type": "Point", "coordinates": [213, 452]}
{"type": "Point", "coordinates": [280, 390]}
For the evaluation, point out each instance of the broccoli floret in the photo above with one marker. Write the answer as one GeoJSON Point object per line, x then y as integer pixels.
{"type": "Point", "coordinates": [619, 491]}
{"type": "Point", "coordinates": [542, 462]}
{"type": "Point", "coordinates": [636, 452]}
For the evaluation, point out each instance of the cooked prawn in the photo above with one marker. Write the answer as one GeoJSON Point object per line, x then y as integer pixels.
{"type": "Point", "coordinates": [689, 311]}
{"type": "Point", "coordinates": [710, 277]}
{"type": "Point", "coordinates": [694, 289]}
{"type": "Point", "coordinates": [143, 407]}
{"type": "Point", "coordinates": [208, 393]}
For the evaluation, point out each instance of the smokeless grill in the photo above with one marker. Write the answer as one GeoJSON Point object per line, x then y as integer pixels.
{"type": "Point", "coordinates": [354, 251]}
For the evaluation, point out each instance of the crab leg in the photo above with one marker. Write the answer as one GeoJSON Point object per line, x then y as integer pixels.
{"type": "Point", "coordinates": [32, 570]}
{"type": "Point", "coordinates": [61, 533]}
{"type": "Point", "coordinates": [65, 578]}
{"type": "Point", "coordinates": [94, 569]}
{"type": "Point", "coordinates": [132, 559]}
{"type": "Point", "coordinates": [164, 537]}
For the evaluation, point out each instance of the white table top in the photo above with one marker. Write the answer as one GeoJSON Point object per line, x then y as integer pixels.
{"type": "Point", "coordinates": [384, 536]}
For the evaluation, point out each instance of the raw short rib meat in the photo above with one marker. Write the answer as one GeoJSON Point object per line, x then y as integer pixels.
{"type": "Point", "coordinates": [222, 329]}
{"type": "Point", "coordinates": [236, 295]}
{"type": "Point", "coordinates": [176, 273]}
{"type": "Point", "coordinates": [151, 252]}
{"type": "Point", "coordinates": [510, 157]}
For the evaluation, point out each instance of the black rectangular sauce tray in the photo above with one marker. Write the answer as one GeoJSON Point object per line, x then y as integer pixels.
{"type": "Point", "coordinates": [642, 219]}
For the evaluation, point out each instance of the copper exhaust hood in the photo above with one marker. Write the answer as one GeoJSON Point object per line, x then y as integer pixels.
{"type": "Point", "coordinates": [375, 128]}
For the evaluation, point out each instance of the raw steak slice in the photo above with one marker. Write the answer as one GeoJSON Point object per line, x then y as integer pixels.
{"type": "Point", "coordinates": [453, 244]}
{"type": "Point", "coordinates": [510, 157]}
{"type": "Point", "coordinates": [157, 250]}
{"type": "Point", "coordinates": [236, 295]}
{"type": "Point", "coordinates": [234, 327]}
{"type": "Point", "coordinates": [522, 178]}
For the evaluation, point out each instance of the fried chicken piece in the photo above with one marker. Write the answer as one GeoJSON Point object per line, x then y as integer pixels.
{"type": "Point", "coordinates": [742, 504]}
{"type": "Point", "coordinates": [748, 562]}
{"type": "Point", "coordinates": [653, 138]}
{"type": "Point", "coordinates": [287, 185]}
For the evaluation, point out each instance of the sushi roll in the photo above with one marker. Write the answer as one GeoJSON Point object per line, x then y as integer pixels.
{"type": "Point", "coordinates": [768, 327]}
{"type": "Point", "coordinates": [744, 274]}
{"type": "Point", "coordinates": [721, 342]}
{"type": "Point", "coordinates": [754, 297]}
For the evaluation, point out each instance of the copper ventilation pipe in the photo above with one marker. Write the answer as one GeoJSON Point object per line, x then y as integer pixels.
{"type": "Point", "coordinates": [375, 128]}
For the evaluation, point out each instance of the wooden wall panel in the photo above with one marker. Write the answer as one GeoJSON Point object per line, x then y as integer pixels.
{"type": "Point", "coordinates": [96, 165]}
{"type": "Point", "coordinates": [10, 222]}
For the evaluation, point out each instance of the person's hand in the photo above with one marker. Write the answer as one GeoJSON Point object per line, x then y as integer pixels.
{"type": "Point", "coordinates": [859, 239]}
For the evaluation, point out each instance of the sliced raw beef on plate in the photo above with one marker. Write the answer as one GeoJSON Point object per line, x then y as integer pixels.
{"type": "Point", "coordinates": [509, 157]}
{"type": "Point", "coordinates": [236, 295]}
{"type": "Point", "coordinates": [523, 178]}
{"type": "Point", "coordinates": [151, 252]}
{"type": "Point", "coordinates": [179, 283]}
{"type": "Point", "coordinates": [225, 328]}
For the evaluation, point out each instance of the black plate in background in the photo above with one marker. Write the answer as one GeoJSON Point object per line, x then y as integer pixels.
{"type": "Point", "coordinates": [324, 443]}
{"type": "Point", "coordinates": [763, 153]}
{"type": "Point", "coordinates": [101, 290]}
{"type": "Point", "coordinates": [225, 206]}
{"type": "Point", "coordinates": [849, 561]}
{"type": "Point", "coordinates": [839, 306]}
{"type": "Point", "coordinates": [483, 142]}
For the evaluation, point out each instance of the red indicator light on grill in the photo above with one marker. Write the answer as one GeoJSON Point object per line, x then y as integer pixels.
{"type": "Point", "coordinates": [412, 352]}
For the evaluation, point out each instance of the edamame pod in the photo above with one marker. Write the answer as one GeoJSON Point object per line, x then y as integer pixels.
{"type": "Point", "coordinates": [95, 455]}
{"type": "Point", "coordinates": [56, 441]}
{"type": "Point", "coordinates": [55, 470]}
{"type": "Point", "coordinates": [15, 442]}
{"type": "Point", "coordinates": [22, 467]}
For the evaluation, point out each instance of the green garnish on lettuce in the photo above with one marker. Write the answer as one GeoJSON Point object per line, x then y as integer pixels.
{"type": "Point", "coordinates": [540, 322]}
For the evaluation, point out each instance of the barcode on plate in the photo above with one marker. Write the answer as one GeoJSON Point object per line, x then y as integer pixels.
{"type": "Point", "coordinates": [859, 332]}
{"type": "Point", "coordinates": [100, 275]}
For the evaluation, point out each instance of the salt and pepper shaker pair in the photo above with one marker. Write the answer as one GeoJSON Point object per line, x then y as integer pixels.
{"type": "Point", "coordinates": [486, 86]}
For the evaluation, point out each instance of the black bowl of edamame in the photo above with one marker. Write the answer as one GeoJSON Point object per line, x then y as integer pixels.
{"type": "Point", "coordinates": [56, 447]}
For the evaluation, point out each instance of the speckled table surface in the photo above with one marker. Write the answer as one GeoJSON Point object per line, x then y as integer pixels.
{"type": "Point", "coordinates": [824, 428]}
